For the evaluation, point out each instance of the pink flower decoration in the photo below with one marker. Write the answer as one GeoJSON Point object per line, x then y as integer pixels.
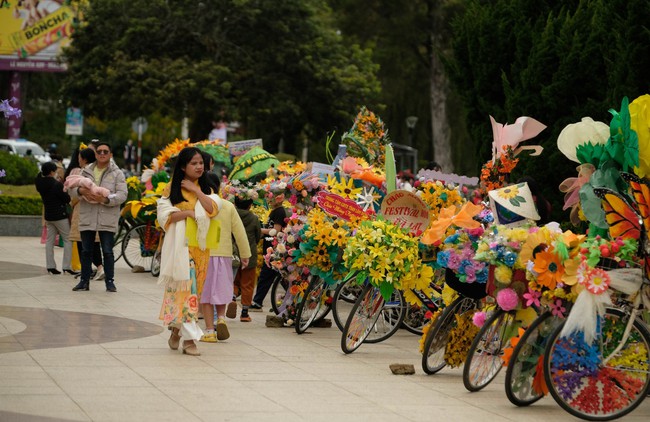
{"type": "Point", "coordinates": [507, 299]}
{"type": "Point", "coordinates": [557, 309]}
{"type": "Point", "coordinates": [479, 319]}
{"type": "Point", "coordinates": [532, 297]}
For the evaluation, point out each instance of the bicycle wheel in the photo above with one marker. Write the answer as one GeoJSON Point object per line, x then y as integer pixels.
{"type": "Point", "coordinates": [155, 263]}
{"type": "Point", "coordinates": [433, 356]}
{"type": "Point", "coordinates": [278, 291]}
{"type": "Point", "coordinates": [587, 387]}
{"type": "Point", "coordinates": [365, 312]}
{"type": "Point", "coordinates": [140, 245]}
{"type": "Point", "coordinates": [483, 361]}
{"type": "Point", "coordinates": [414, 319]}
{"type": "Point", "coordinates": [311, 304]}
{"type": "Point", "coordinates": [525, 372]}
{"type": "Point", "coordinates": [390, 318]}
{"type": "Point", "coordinates": [118, 238]}
{"type": "Point", "coordinates": [345, 296]}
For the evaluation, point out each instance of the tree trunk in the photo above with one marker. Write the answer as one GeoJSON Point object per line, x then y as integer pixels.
{"type": "Point", "coordinates": [439, 123]}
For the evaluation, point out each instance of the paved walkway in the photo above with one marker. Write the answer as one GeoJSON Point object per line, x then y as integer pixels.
{"type": "Point", "coordinates": [80, 356]}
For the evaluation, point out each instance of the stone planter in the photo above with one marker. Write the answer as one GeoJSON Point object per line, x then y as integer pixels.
{"type": "Point", "coordinates": [21, 225]}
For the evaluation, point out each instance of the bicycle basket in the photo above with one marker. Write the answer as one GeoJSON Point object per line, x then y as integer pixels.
{"type": "Point", "coordinates": [471, 290]}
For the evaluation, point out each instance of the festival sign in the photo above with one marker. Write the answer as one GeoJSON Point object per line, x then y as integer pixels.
{"type": "Point", "coordinates": [33, 33]}
{"type": "Point", "coordinates": [406, 210]}
{"type": "Point", "coordinates": [340, 207]}
{"type": "Point", "coordinates": [241, 147]}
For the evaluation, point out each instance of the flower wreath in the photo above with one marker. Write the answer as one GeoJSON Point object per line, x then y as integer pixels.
{"type": "Point", "coordinates": [387, 256]}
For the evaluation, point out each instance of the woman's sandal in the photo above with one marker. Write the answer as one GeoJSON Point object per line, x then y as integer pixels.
{"type": "Point", "coordinates": [189, 348]}
{"type": "Point", "coordinates": [174, 339]}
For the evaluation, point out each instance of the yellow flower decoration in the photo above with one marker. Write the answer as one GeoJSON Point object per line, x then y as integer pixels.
{"type": "Point", "coordinates": [346, 189]}
{"type": "Point", "coordinates": [503, 274]}
{"type": "Point", "coordinates": [640, 123]}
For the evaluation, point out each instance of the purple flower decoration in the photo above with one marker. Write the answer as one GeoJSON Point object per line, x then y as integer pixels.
{"type": "Point", "coordinates": [454, 261]}
{"type": "Point", "coordinates": [3, 173]}
{"type": "Point", "coordinates": [8, 110]}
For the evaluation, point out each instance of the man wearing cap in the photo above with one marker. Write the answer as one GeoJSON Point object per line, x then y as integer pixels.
{"type": "Point", "coordinates": [276, 222]}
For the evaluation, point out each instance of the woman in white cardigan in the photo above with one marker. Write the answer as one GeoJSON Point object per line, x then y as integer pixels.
{"type": "Point", "coordinates": [185, 213]}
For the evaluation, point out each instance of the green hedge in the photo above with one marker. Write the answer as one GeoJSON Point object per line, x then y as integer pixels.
{"type": "Point", "coordinates": [19, 170]}
{"type": "Point", "coordinates": [20, 205]}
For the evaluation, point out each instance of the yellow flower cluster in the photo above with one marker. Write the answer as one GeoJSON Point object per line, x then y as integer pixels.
{"type": "Point", "coordinates": [292, 168]}
{"type": "Point", "coordinates": [460, 339]}
{"type": "Point", "coordinates": [384, 254]}
{"type": "Point", "coordinates": [633, 357]}
{"type": "Point", "coordinates": [133, 182]}
{"type": "Point", "coordinates": [437, 195]}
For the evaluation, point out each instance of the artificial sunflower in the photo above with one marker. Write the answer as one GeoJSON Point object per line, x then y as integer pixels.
{"type": "Point", "coordinates": [509, 192]}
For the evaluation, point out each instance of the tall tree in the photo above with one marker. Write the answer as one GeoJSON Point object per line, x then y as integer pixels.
{"type": "Point", "coordinates": [410, 40]}
{"type": "Point", "coordinates": [554, 61]}
{"type": "Point", "coordinates": [279, 67]}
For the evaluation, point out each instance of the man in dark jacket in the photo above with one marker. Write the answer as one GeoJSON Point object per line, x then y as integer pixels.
{"type": "Point", "coordinates": [55, 205]}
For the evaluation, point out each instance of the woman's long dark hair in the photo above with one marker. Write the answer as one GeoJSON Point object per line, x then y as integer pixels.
{"type": "Point", "coordinates": [87, 154]}
{"type": "Point", "coordinates": [184, 157]}
{"type": "Point", "coordinates": [74, 163]}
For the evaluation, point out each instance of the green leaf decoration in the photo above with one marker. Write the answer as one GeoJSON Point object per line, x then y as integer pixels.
{"type": "Point", "coordinates": [386, 290]}
{"type": "Point", "coordinates": [623, 144]}
{"type": "Point", "coordinates": [361, 277]}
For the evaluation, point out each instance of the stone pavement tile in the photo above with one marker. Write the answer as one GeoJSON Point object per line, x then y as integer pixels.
{"type": "Point", "coordinates": [27, 386]}
{"type": "Point", "coordinates": [228, 399]}
{"type": "Point", "coordinates": [247, 367]}
{"type": "Point", "coordinates": [174, 372]}
{"type": "Point", "coordinates": [16, 359]}
{"type": "Point", "coordinates": [10, 373]}
{"type": "Point", "coordinates": [408, 393]}
{"type": "Point", "coordinates": [439, 411]}
{"type": "Point", "coordinates": [243, 415]}
{"type": "Point", "coordinates": [105, 399]}
{"type": "Point", "coordinates": [76, 380]}
{"type": "Point", "coordinates": [119, 415]}
{"type": "Point", "coordinates": [356, 416]}
{"type": "Point", "coordinates": [57, 406]}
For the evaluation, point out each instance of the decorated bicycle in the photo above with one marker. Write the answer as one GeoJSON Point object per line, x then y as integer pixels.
{"type": "Point", "coordinates": [597, 363]}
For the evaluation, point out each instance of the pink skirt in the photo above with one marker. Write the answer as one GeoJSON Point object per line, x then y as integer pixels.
{"type": "Point", "coordinates": [218, 287]}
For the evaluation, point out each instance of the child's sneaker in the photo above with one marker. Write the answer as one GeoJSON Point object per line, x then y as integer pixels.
{"type": "Point", "coordinates": [244, 316]}
{"type": "Point", "coordinates": [222, 330]}
{"type": "Point", "coordinates": [255, 307]}
{"type": "Point", "coordinates": [209, 337]}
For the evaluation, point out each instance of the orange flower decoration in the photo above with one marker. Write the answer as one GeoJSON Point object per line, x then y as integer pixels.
{"type": "Point", "coordinates": [549, 269]}
{"type": "Point", "coordinates": [539, 384]}
{"type": "Point", "coordinates": [507, 352]}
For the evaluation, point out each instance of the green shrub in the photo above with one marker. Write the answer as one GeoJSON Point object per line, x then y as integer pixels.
{"type": "Point", "coordinates": [20, 205]}
{"type": "Point", "coordinates": [19, 170]}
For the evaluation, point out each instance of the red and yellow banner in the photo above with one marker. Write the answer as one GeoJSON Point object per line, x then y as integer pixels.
{"type": "Point", "coordinates": [34, 31]}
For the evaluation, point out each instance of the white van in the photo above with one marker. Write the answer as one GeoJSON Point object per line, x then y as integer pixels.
{"type": "Point", "coordinates": [25, 148]}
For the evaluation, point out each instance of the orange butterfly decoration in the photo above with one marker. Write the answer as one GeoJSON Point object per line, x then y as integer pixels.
{"type": "Point", "coordinates": [625, 221]}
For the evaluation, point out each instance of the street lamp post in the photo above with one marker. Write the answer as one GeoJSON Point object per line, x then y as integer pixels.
{"type": "Point", "coordinates": [411, 121]}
